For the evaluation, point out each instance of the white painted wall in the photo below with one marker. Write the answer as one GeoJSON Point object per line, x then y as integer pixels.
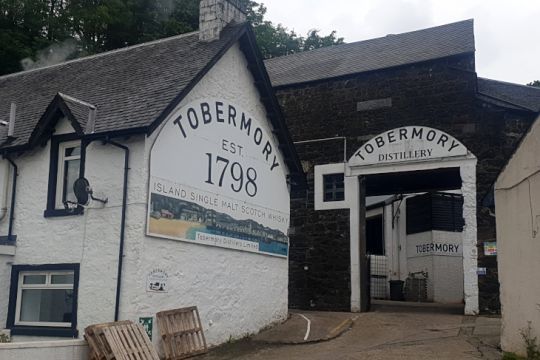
{"type": "Point", "coordinates": [57, 350]}
{"type": "Point", "coordinates": [517, 200]}
{"type": "Point", "coordinates": [237, 293]}
{"type": "Point", "coordinates": [445, 270]}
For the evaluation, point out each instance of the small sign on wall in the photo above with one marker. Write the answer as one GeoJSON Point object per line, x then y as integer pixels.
{"type": "Point", "coordinates": [157, 281]}
{"type": "Point", "coordinates": [490, 248]}
{"type": "Point", "coordinates": [482, 271]}
{"type": "Point", "coordinates": [148, 325]}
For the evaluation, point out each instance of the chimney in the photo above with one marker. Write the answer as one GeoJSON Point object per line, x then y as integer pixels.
{"type": "Point", "coordinates": [216, 14]}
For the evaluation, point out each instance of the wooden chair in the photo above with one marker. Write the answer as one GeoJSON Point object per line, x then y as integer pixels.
{"type": "Point", "coordinates": [181, 332]}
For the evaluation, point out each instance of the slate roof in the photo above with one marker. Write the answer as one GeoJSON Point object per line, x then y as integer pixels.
{"type": "Point", "coordinates": [130, 87]}
{"type": "Point", "coordinates": [389, 51]}
{"type": "Point", "coordinates": [509, 94]}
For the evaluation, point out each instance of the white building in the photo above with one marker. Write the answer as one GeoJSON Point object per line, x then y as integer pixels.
{"type": "Point", "coordinates": [517, 205]}
{"type": "Point", "coordinates": [180, 136]}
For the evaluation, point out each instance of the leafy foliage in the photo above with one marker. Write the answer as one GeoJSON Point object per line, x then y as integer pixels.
{"type": "Point", "coordinates": [535, 83]}
{"type": "Point", "coordinates": [277, 40]}
{"type": "Point", "coordinates": [531, 343]}
{"type": "Point", "coordinates": [40, 32]}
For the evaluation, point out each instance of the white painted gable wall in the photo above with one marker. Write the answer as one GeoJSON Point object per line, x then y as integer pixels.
{"type": "Point", "coordinates": [237, 292]}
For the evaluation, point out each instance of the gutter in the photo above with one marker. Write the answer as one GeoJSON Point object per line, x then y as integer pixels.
{"type": "Point", "coordinates": [5, 188]}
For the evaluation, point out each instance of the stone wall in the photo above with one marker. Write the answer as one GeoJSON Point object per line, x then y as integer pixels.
{"type": "Point", "coordinates": [439, 94]}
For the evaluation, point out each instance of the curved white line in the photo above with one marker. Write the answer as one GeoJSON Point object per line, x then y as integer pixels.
{"type": "Point", "coordinates": [308, 327]}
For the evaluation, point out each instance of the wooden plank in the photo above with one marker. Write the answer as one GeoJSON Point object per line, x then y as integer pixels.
{"type": "Point", "coordinates": [122, 340]}
{"type": "Point", "coordinates": [181, 332]}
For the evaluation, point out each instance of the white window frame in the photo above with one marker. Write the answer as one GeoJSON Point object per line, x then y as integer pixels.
{"type": "Point", "coordinates": [47, 285]}
{"type": "Point", "coordinates": [59, 204]}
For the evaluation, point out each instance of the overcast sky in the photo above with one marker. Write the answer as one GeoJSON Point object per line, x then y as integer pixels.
{"type": "Point", "coordinates": [507, 33]}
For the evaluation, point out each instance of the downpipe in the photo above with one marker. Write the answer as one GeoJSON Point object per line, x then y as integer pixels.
{"type": "Point", "coordinates": [122, 227]}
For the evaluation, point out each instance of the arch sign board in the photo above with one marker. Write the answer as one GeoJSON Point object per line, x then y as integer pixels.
{"type": "Point", "coordinates": [217, 178]}
{"type": "Point", "coordinates": [406, 144]}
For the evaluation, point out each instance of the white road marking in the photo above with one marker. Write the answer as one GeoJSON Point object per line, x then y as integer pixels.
{"type": "Point", "coordinates": [308, 327]}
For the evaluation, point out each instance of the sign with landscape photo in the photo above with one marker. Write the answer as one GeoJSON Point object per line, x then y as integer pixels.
{"type": "Point", "coordinates": [217, 178]}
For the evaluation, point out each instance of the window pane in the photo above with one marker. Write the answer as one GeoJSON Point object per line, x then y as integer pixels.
{"type": "Point", "coordinates": [71, 173]}
{"type": "Point", "coordinates": [62, 279]}
{"type": "Point", "coordinates": [333, 185]}
{"type": "Point", "coordinates": [72, 151]}
{"type": "Point", "coordinates": [34, 279]}
{"type": "Point", "coordinates": [48, 305]}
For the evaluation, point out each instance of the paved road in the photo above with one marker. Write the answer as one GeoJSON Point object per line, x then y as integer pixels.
{"type": "Point", "coordinates": [387, 334]}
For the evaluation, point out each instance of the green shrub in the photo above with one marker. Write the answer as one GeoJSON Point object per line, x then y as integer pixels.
{"type": "Point", "coordinates": [531, 343]}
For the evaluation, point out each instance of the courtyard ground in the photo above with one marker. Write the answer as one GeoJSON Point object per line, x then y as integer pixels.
{"type": "Point", "coordinates": [388, 332]}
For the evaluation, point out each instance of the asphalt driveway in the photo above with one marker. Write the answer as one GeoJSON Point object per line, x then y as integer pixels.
{"type": "Point", "coordinates": [386, 333]}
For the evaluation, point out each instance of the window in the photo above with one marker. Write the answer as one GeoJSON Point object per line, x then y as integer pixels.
{"type": "Point", "coordinates": [66, 166]}
{"type": "Point", "coordinates": [333, 187]}
{"type": "Point", "coordinates": [69, 162]}
{"type": "Point", "coordinates": [43, 300]}
{"type": "Point", "coordinates": [435, 211]}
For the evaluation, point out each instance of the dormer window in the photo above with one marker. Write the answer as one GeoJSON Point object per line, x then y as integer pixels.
{"type": "Point", "coordinates": [65, 167]}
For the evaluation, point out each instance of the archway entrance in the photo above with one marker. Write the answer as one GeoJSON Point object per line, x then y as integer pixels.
{"type": "Point", "coordinates": [419, 184]}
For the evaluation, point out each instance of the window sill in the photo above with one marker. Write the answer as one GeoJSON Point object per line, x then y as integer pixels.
{"type": "Point", "coordinates": [7, 250]}
{"type": "Point", "coordinates": [8, 240]}
{"type": "Point", "coordinates": [63, 212]}
{"type": "Point", "coordinates": [44, 331]}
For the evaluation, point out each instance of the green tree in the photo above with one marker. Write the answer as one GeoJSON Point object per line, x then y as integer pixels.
{"type": "Point", "coordinates": [36, 33]}
{"type": "Point", "coordinates": [277, 40]}
{"type": "Point", "coordinates": [535, 83]}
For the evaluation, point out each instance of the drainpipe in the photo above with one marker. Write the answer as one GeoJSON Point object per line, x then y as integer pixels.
{"type": "Point", "coordinates": [5, 188]}
{"type": "Point", "coordinates": [13, 193]}
{"type": "Point", "coordinates": [122, 226]}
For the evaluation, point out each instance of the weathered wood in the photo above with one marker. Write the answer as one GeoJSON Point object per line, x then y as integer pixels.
{"type": "Point", "coordinates": [182, 333]}
{"type": "Point", "coordinates": [122, 340]}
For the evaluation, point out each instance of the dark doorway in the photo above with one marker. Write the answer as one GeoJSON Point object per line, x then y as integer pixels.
{"type": "Point", "coordinates": [375, 235]}
{"type": "Point", "coordinates": [401, 187]}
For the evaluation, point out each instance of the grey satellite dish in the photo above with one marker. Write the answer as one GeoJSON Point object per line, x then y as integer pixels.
{"type": "Point", "coordinates": [83, 192]}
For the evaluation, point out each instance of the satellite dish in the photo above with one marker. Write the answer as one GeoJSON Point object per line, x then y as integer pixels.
{"type": "Point", "coordinates": [82, 190]}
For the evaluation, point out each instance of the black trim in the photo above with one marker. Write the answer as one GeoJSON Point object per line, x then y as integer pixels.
{"type": "Point", "coordinates": [174, 103]}
{"type": "Point", "coordinates": [45, 126]}
{"type": "Point", "coordinates": [8, 240]}
{"type": "Point", "coordinates": [45, 330]}
{"type": "Point", "coordinates": [13, 195]}
{"type": "Point", "coordinates": [248, 44]}
{"type": "Point", "coordinates": [51, 210]}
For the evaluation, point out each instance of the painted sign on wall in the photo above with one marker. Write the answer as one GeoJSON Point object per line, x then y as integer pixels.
{"type": "Point", "coordinates": [411, 143]}
{"type": "Point", "coordinates": [157, 281]}
{"type": "Point", "coordinates": [217, 178]}
{"type": "Point", "coordinates": [490, 248]}
{"type": "Point", "coordinates": [434, 248]}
